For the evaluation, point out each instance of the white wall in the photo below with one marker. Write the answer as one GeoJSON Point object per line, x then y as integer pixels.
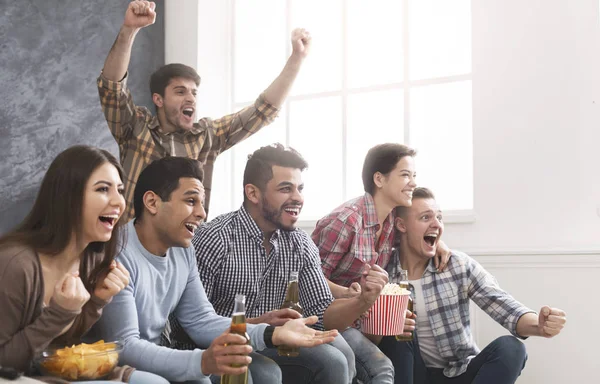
{"type": "Point", "coordinates": [562, 279]}
{"type": "Point", "coordinates": [536, 124]}
{"type": "Point", "coordinates": [535, 121]}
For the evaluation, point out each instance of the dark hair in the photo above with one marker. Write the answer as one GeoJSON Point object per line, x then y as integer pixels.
{"type": "Point", "coordinates": [382, 158]}
{"type": "Point", "coordinates": [161, 78]}
{"type": "Point", "coordinates": [58, 209]}
{"type": "Point", "coordinates": [418, 193]}
{"type": "Point", "coordinates": [162, 177]}
{"type": "Point", "coordinates": [259, 168]}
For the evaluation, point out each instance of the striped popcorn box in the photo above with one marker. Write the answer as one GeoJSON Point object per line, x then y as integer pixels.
{"type": "Point", "coordinates": [387, 315]}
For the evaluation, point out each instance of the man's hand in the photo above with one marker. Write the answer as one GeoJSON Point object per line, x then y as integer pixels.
{"type": "Point", "coordinates": [301, 41]}
{"type": "Point", "coordinates": [551, 321]}
{"type": "Point", "coordinates": [276, 318]}
{"type": "Point", "coordinates": [409, 323]}
{"type": "Point", "coordinates": [140, 14]}
{"type": "Point", "coordinates": [115, 280]}
{"type": "Point", "coordinates": [353, 290]}
{"type": "Point", "coordinates": [295, 333]}
{"type": "Point", "coordinates": [442, 256]}
{"type": "Point", "coordinates": [372, 282]}
{"type": "Point", "coordinates": [70, 293]}
{"type": "Point", "coordinates": [227, 354]}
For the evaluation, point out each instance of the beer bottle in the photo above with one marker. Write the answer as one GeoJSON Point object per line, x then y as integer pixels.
{"type": "Point", "coordinates": [292, 300]}
{"type": "Point", "coordinates": [404, 284]}
{"type": "Point", "coordinates": [238, 326]}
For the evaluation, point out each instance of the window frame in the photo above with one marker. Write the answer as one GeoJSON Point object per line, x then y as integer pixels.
{"type": "Point", "coordinates": [450, 216]}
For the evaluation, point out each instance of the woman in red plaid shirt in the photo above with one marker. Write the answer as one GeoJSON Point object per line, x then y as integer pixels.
{"type": "Point", "coordinates": [356, 239]}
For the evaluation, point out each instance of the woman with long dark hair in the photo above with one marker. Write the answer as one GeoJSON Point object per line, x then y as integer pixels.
{"type": "Point", "coordinates": [57, 268]}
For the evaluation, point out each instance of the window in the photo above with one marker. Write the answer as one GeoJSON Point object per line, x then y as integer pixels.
{"type": "Point", "coordinates": [378, 71]}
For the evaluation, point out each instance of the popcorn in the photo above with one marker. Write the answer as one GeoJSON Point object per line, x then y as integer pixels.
{"type": "Point", "coordinates": [387, 315]}
{"type": "Point", "coordinates": [394, 289]}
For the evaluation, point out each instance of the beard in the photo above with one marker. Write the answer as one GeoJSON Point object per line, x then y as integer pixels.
{"type": "Point", "coordinates": [273, 216]}
{"type": "Point", "coordinates": [172, 117]}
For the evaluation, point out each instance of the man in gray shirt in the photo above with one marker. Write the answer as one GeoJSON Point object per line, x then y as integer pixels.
{"type": "Point", "coordinates": [168, 203]}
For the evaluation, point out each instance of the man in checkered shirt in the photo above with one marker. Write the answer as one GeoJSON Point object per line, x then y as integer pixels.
{"type": "Point", "coordinates": [443, 350]}
{"type": "Point", "coordinates": [253, 251]}
{"type": "Point", "coordinates": [175, 130]}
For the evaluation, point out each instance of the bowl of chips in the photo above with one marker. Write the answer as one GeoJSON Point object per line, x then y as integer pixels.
{"type": "Point", "coordinates": [387, 315]}
{"type": "Point", "coordinates": [80, 362]}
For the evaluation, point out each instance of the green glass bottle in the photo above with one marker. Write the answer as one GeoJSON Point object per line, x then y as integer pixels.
{"type": "Point", "coordinates": [292, 300]}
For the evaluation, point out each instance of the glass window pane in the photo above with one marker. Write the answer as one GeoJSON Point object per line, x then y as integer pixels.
{"type": "Point", "coordinates": [322, 70]}
{"type": "Point", "coordinates": [259, 46]}
{"type": "Point", "coordinates": [440, 38]}
{"type": "Point", "coordinates": [316, 132]}
{"type": "Point", "coordinates": [441, 131]}
{"type": "Point", "coordinates": [374, 32]}
{"type": "Point", "coordinates": [373, 118]}
{"type": "Point", "coordinates": [273, 133]}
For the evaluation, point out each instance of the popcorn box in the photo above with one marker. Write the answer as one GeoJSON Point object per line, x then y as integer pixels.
{"type": "Point", "coordinates": [387, 315]}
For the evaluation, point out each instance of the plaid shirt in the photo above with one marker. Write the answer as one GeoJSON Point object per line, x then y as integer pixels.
{"type": "Point", "coordinates": [141, 140]}
{"type": "Point", "coordinates": [347, 240]}
{"type": "Point", "coordinates": [447, 295]}
{"type": "Point", "coordinates": [231, 260]}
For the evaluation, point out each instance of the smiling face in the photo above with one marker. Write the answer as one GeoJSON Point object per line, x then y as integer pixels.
{"type": "Point", "coordinates": [398, 185]}
{"type": "Point", "coordinates": [282, 200]}
{"type": "Point", "coordinates": [103, 203]}
{"type": "Point", "coordinates": [421, 227]}
{"type": "Point", "coordinates": [177, 108]}
{"type": "Point", "coordinates": [177, 219]}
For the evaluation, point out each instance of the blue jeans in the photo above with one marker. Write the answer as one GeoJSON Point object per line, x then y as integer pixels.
{"type": "Point", "coordinates": [261, 370]}
{"type": "Point", "coordinates": [323, 364]}
{"type": "Point", "coordinates": [501, 362]}
{"type": "Point", "coordinates": [372, 366]}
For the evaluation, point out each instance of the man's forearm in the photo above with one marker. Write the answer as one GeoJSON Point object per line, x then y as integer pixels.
{"type": "Point", "coordinates": [117, 61]}
{"type": "Point", "coordinates": [528, 325]}
{"type": "Point", "coordinates": [254, 320]}
{"type": "Point", "coordinates": [342, 313]}
{"type": "Point", "coordinates": [337, 291]}
{"type": "Point", "coordinates": [279, 89]}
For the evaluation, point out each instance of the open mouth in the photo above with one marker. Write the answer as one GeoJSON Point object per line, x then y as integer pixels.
{"type": "Point", "coordinates": [431, 239]}
{"type": "Point", "coordinates": [189, 112]}
{"type": "Point", "coordinates": [292, 211]}
{"type": "Point", "coordinates": [109, 219]}
{"type": "Point", "coordinates": [191, 227]}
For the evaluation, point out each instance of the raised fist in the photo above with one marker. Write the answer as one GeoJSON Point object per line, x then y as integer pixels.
{"type": "Point", "coordinates": [140, 14]}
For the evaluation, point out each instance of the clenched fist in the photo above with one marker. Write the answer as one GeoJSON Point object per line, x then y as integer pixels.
{"type": "Point", "coordinates": [301, 41]}
{"type": "Point", "coordinates": [70, 293]}
{"type": "Point", "coordinates": [551, 321]}
{"type": "Point", "coordinates": [115, 280]}
{"type": "Point", "coordinates": [140, 14]}
{"type": "Point", "coordinates": [372, 282]}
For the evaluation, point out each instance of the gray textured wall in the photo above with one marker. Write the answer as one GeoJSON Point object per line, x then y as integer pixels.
{"type": "Point", "coordinates": [51, 52]}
